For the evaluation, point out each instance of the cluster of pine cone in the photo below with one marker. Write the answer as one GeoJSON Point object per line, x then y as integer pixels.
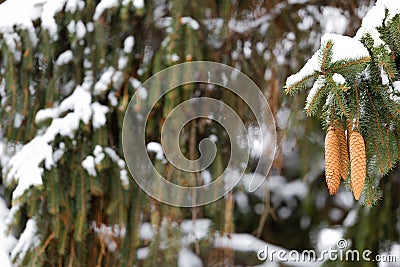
{"type": "Point", "coordinates": [337, 152]}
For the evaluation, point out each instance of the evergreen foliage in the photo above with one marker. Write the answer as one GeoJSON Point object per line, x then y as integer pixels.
{"type": "Point", "coordinates": [361, 88]}
{"type": "Point", "coordinates": [65, 87]}
{"type": "Point", "coordinates": [71, 200]}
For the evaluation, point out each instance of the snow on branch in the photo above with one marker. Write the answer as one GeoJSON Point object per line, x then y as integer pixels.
{"type": "Point", "coordinates": [375, 17]}
{"type": "Point", "coordinates": [343, 48]}
{"type": "Point", "coordinates": [25, 166]}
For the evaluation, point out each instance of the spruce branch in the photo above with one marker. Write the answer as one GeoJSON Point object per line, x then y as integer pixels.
{"type": "Point", "coordinates": [315, 96]}
{"type": "Point", "coordinates": [325, 56]}
{"type": "Point", "coordinates": [344, 65]}
{"type": "Point", "coordinates": [300, 85]}
{"type": "Point", "coordinates": [370, 104]}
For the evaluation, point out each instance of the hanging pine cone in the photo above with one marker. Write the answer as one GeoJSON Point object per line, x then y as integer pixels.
{"type": "Point", "coordinates": [343, 153]}
{"type": "Point", "coordinates": [358, 163]}
{"type": "Point", "coordinates": [332, 162]}
{"type": "Point", "coordinates": [349, 128]}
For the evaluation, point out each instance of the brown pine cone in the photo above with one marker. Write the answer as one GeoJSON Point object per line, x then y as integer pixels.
{"type": "Point", "coordinates": [358, 163]}
{"type": "Point", "coordinates": [332, 162]}
{"type": "Point", "coordinates": [343, 152]}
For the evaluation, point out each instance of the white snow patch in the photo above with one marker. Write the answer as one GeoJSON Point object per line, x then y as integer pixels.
{"type": "Point", "coordinates": [128, 44]}
{"type": "Point", "coordinates": [195, 230]}
{"type": "Point", "coordinates": [306, 21]}
{"type": "Point", "coordinates": [247, 50]}
{"type": "Point", "coordinates": [249, 243]}
{"type": "Point", "coordinates": [396, 86]}
{"type": "Point", "coordinates": [28, 240]}
{"type": "Point", "coordinates": [314, 91]}
{"type": "Point", "coordinates": [395, 92]}
{"type": "Point", "coordinates": [74, 5]}
{"type": "Point", "coordinates": [384, 76]}
{"type": "Point", "coordinates": [338, 78]}
{"type": "Point", "coordinates": [328, 238]}
{"type": "Point", "coordinates": [257, 142]}
{"type": "Point", "coordinates": [13, 40]}
{"type": "Point", "coordinates": [142, 253]}
{"type": "Point", "coordinates": [24, 165]}
{"type": "Point", "coordinates": [8, 242]}
{"type": "Point", "coordinates": [260, 47]}
{"type": "Point", "coordinates": [242, 201]}
{"type": "Point", "coordinates": [351, 218]}
{"type": "Point", "coordinates": [99, 115]}
{"type": "Point", "coordinates": [90, 27]}
{"type": "Point", "coordinates": [98, 154]}
{"type": "Point", "coordinates": [123, 175]}
{"type": "Point", "coordinates": [58, 153]}
{"type": "Point", "coordinates": [112, 154]}
{"type": "Point", "coordinates": [375, 17]}
{"type": "Point", "coordinates": [49, 11]}
{"type": "Point", "coordinates": [241, 242]}
{"type": "Point", "coordinates": [174, 57]}
{"type": "Point", "coordinates": [308, 69]}
{"type": "Point", "coordinates": [135, 83]}
{"type": "Point", "coordinates": [122, 62]}
{"type": "Point", "coordinates": [117, 79]}
{"type": "Point", "coordinates": [192, 23]}
{"type": "Point", "coordinates": [103, 5]}
{"type": "Point", "coordinates": [186, 258]}
{"type": "Point", "coordinates": [80, 30]}
{"type": "Point", "coordinates": [393, 252]}
{"type": "Point", "coordinates": [121, 164]}
{"type": "Point", "coordinates": [20, 13]}
{"type": "Point", "coordinates": [21, 17]}
{"type": "Point", "coordinates": [71, 27]}
{"type": "Point", "coordinates": [104, 81]}
{"type": "Point", "coordinates": [139, 4]}
{"type": "Point", "coordinates": [206, 177]}
{"type": "Point", "coordinates": [284, 191]}
{"type": "Point", "coordinates": [242, 26]}
{"type": "Point", "coordinates": [344, 199]}
{"type": "Point", "coordinates": [333, 20]}
{"type": "Point", "coordinates": [64, 58]}
{"type": "Point", "coordinates": [335, 214]}
{"type": "Point", "coordinates": [141, 91]}
{"type": "Point", "coordinates": [345, 47]}
{"type": "Point", "coordinates": [3, 93]}
{"type": "Point", "coordinates": [156, 148]}
{"type": "Point", "coordinates": [146, 231]}
{"type": "Point", "coordinates": [113, 99]}
{"type": "Point", "coordinates": [296, 188]}
{"type": "Point", "coordinates": [78, 101]}
{"type": "Point", "coordinates": [282, 117]}
{"type": "Point", "coordinates": [18, 118]}
{"type": "Point", "coordinates": [89, 165]}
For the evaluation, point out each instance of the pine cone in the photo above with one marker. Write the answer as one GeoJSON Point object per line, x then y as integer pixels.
{"type": "Point", "coordinates": [332, 162]}
{"type": "Point", "coordinates": [349, 128]}
{"type": "Point", "coordinates": [358, 163]}
{"type": "Point", "coordinates": [343, 153]}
